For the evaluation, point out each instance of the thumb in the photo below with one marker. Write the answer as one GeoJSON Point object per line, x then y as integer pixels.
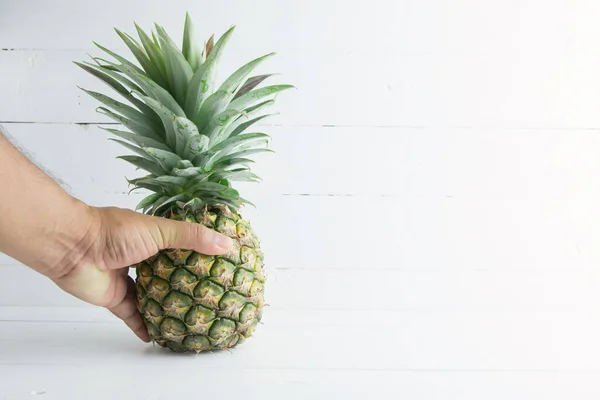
{"type": "Point", "coordinates": [170, 234]}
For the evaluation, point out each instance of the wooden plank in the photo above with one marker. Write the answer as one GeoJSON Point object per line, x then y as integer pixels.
{"type": "Point", "coordinates": [536, 90]}
{"type": "Point", "coordinates": [367, 27]}
{"type": "Point", "coordinates": [23, 381]}
{"type": "Point", "coordinates": [518, 341]}
{"type": "Point", "coordinates": [533, 169]}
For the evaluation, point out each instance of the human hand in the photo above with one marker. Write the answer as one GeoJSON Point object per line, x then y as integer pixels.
{"type": "Point", "coordinates": [117, 238]}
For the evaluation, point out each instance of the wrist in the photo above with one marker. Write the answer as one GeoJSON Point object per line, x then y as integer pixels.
{"type": "Point", "coordinates": [60, 247]}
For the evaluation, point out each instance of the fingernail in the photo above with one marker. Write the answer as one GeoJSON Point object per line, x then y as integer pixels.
{"type": "Point", "coordinates": [223, 242]}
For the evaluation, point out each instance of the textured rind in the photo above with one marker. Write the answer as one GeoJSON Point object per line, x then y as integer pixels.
{"type": "Point", "coordinates": [194, 302]}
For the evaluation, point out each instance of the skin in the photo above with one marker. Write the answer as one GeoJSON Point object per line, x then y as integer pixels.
{"type": "Point", "coordinates": [85, 250]}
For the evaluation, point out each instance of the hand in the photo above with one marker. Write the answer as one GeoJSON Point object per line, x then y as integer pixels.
{"type": "Point", "coordinates": [118, 238]}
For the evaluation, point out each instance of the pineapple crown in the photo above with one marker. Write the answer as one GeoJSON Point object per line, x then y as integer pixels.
{"type": "Point", "coordinates": [188, 133]}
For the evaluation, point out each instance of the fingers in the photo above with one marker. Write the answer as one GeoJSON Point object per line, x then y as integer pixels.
{"type": "Point", "coordinates": [127, 309]}
{"type": "Point", "coordinates": [185, 235]}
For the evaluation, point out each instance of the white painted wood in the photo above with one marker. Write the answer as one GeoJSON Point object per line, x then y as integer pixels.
{"type": "Point", "coordinates": [430, 216]}
{"type": "Point", "coordinates": [422, 355]}
{"type": "Point", "coordinates": [487, 88]}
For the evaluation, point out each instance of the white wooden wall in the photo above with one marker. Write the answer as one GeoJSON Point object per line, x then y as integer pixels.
{"type": "Point", "coordinates": [431, 216]}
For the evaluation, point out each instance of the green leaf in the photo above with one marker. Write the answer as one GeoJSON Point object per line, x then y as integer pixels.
{"type": "Point", "coordinates": [209, 46]}
{"type": "Point", "coordinates": [239, 142]}
{"type": "Point", "coordinates": [241, 127]}
{"type": "Point", "coordinates": [179, 71]}
{"type": "Point", "coordinates": [112, 79]}
{"type": "Point", "coordinates": [167, 118]}
{"type": "Point", "coordinates": [152, 89]}
{"type": "Point", "coordinates": [195, 145]}
{"type": "Point", "coordinates": [132, 126]}
{"type": "Point", "coordinates": [235, 80]}
{"type": "Point", "coordinates": [182, 164]}
{"type": "Point", "coordinates": [190, 172]}
{"type": "Point", "coordinates": [194, 204]}
{"type": "Point", "coordinates": [215, 129]}
{"type": "Point", "coordinates": [214, 104]}
{"type": "Point", "coordinates": [184, 130]}
{"type": "Point", "coordinates": [199, 88]}
{"type": "Point", "coordinates": [207, 187]}
{"type": "Point", "coordinates": [166, 159]}
{"type": "Point", "coordinates": [225, 158]}
{"type": "Point", "coordinates": [250, 84]}
{"type": "Point", "coordinates": [155, 55]}
{"type": "Point", "coordinates": [148, 201]}
{"type": "Point", "coordinates": [125, 110]}
{"type": "Point", "coordinates": [243, 139]}
{"type": "Point", "coordinates": [232, 162]}
{"type": "Point", "coordinates": [139, 53]}
{"type": "Point", "coordinates": [117, 57]}
{"type": "Point", "coordinates": [190, 48]}
{"type": "Point", "coordinates": [144, 164]}
{"type": "Point", "coordinates": [141, 141]}
{"type": "Point", "coordinates": [174, 181]}
{"type": "Point", "coordinates": [135, 149]}
{"type": "Point", "coordinates": [239, 175]}
{"type": "Point", "coordinates": [160, 204]}
{"type": "Point", "coordinates": [149, 185]}
{"type": "Point", "coordinates": [254, 96]}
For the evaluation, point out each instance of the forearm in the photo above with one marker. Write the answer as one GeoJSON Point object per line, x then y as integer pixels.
{"type": "Point", "coordinates": [41, 225]}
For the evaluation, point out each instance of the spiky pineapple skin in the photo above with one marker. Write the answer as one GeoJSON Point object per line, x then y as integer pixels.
{"type": "Point", "coordinates": [194, 302]}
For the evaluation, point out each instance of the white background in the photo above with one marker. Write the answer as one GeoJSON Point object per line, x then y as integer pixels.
{"type": "Point", "coordinates": [431, 216]}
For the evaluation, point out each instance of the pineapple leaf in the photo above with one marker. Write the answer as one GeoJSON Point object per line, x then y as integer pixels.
{"type": "Point", "coordinates": [232, 162]}
{"type": "Point", "coordinates": [241, 127]}
{"type": "Point", "coordinates": [166, 159]}
{"type": "Point", "coordinates": [214, 130]}
{"type": "Point", "coordinates": [148, 201]}
{"type": "Point", "coordinates": [189, 46]}
{"type": "Point", "coordinates": [139, 53]}
{"type": "Point", "coordinates": [140, 140]}
{"type": "Point", "coordinates": [155, 55]}
{"type": "Point", "coordinates": [184, 130]}
{"type": "Point", "coordinates": [200, 86]}
{"type": "Point", "coordinates": [214, 52]}
{"type": "Point", "coordinates": [200, 185]}
{"type": "Point", "coordinates": [119, 58]}
{"type": "Point", "coordinates": [250, 84]}
{"type": "Point", "coordinates": [253, 96]}
{"type": "Point", "coordinates": [161, 204]}
{"type": "Point", "coordinates": [235, 80]}
{"type": "Point", "coordinates": [167, 118]}
{"type": "Point", "coordinates": [214, 104]}
{"type": "Point", "coordinates": [112, 79]}
{"type": "Point", "coordinates": [193, 172]}
{"type": "Point", "coordinates": [144, 164]}
{"type": "Point", "coordinates": [238, 175]}
{"type": "Point", "coordinates": [243, 142]}
{"type": "Point", "coordinates": [243, 139]}
{"type": "Point", "coordinates": [125, 110]}
{"type": "Point", "coordinates": [194, 205]}
{"type": "Point", "coordinates": [209, 45]}
{"type": "Point", "coordinates": [195, 145]}
{"type": "Point", "coordinates": [129, 124]}
{"type": "Point", "coordinates": [179, 71]}
{"type": "Point", "coordinates": [152, 89]}
{"type": "Point", "coordinates": [135, 149]}
{"type": "Point", "coordinates": [143, 183]}
{"type": "Point", "coordinates": [220, 158]}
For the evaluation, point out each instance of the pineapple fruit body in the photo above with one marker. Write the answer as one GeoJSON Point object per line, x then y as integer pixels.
{"type": "Point", "coordinates": [193, 302]}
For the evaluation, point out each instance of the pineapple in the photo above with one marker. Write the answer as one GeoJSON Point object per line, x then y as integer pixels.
{"type": "Point", "coordinates": [190, 136]}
